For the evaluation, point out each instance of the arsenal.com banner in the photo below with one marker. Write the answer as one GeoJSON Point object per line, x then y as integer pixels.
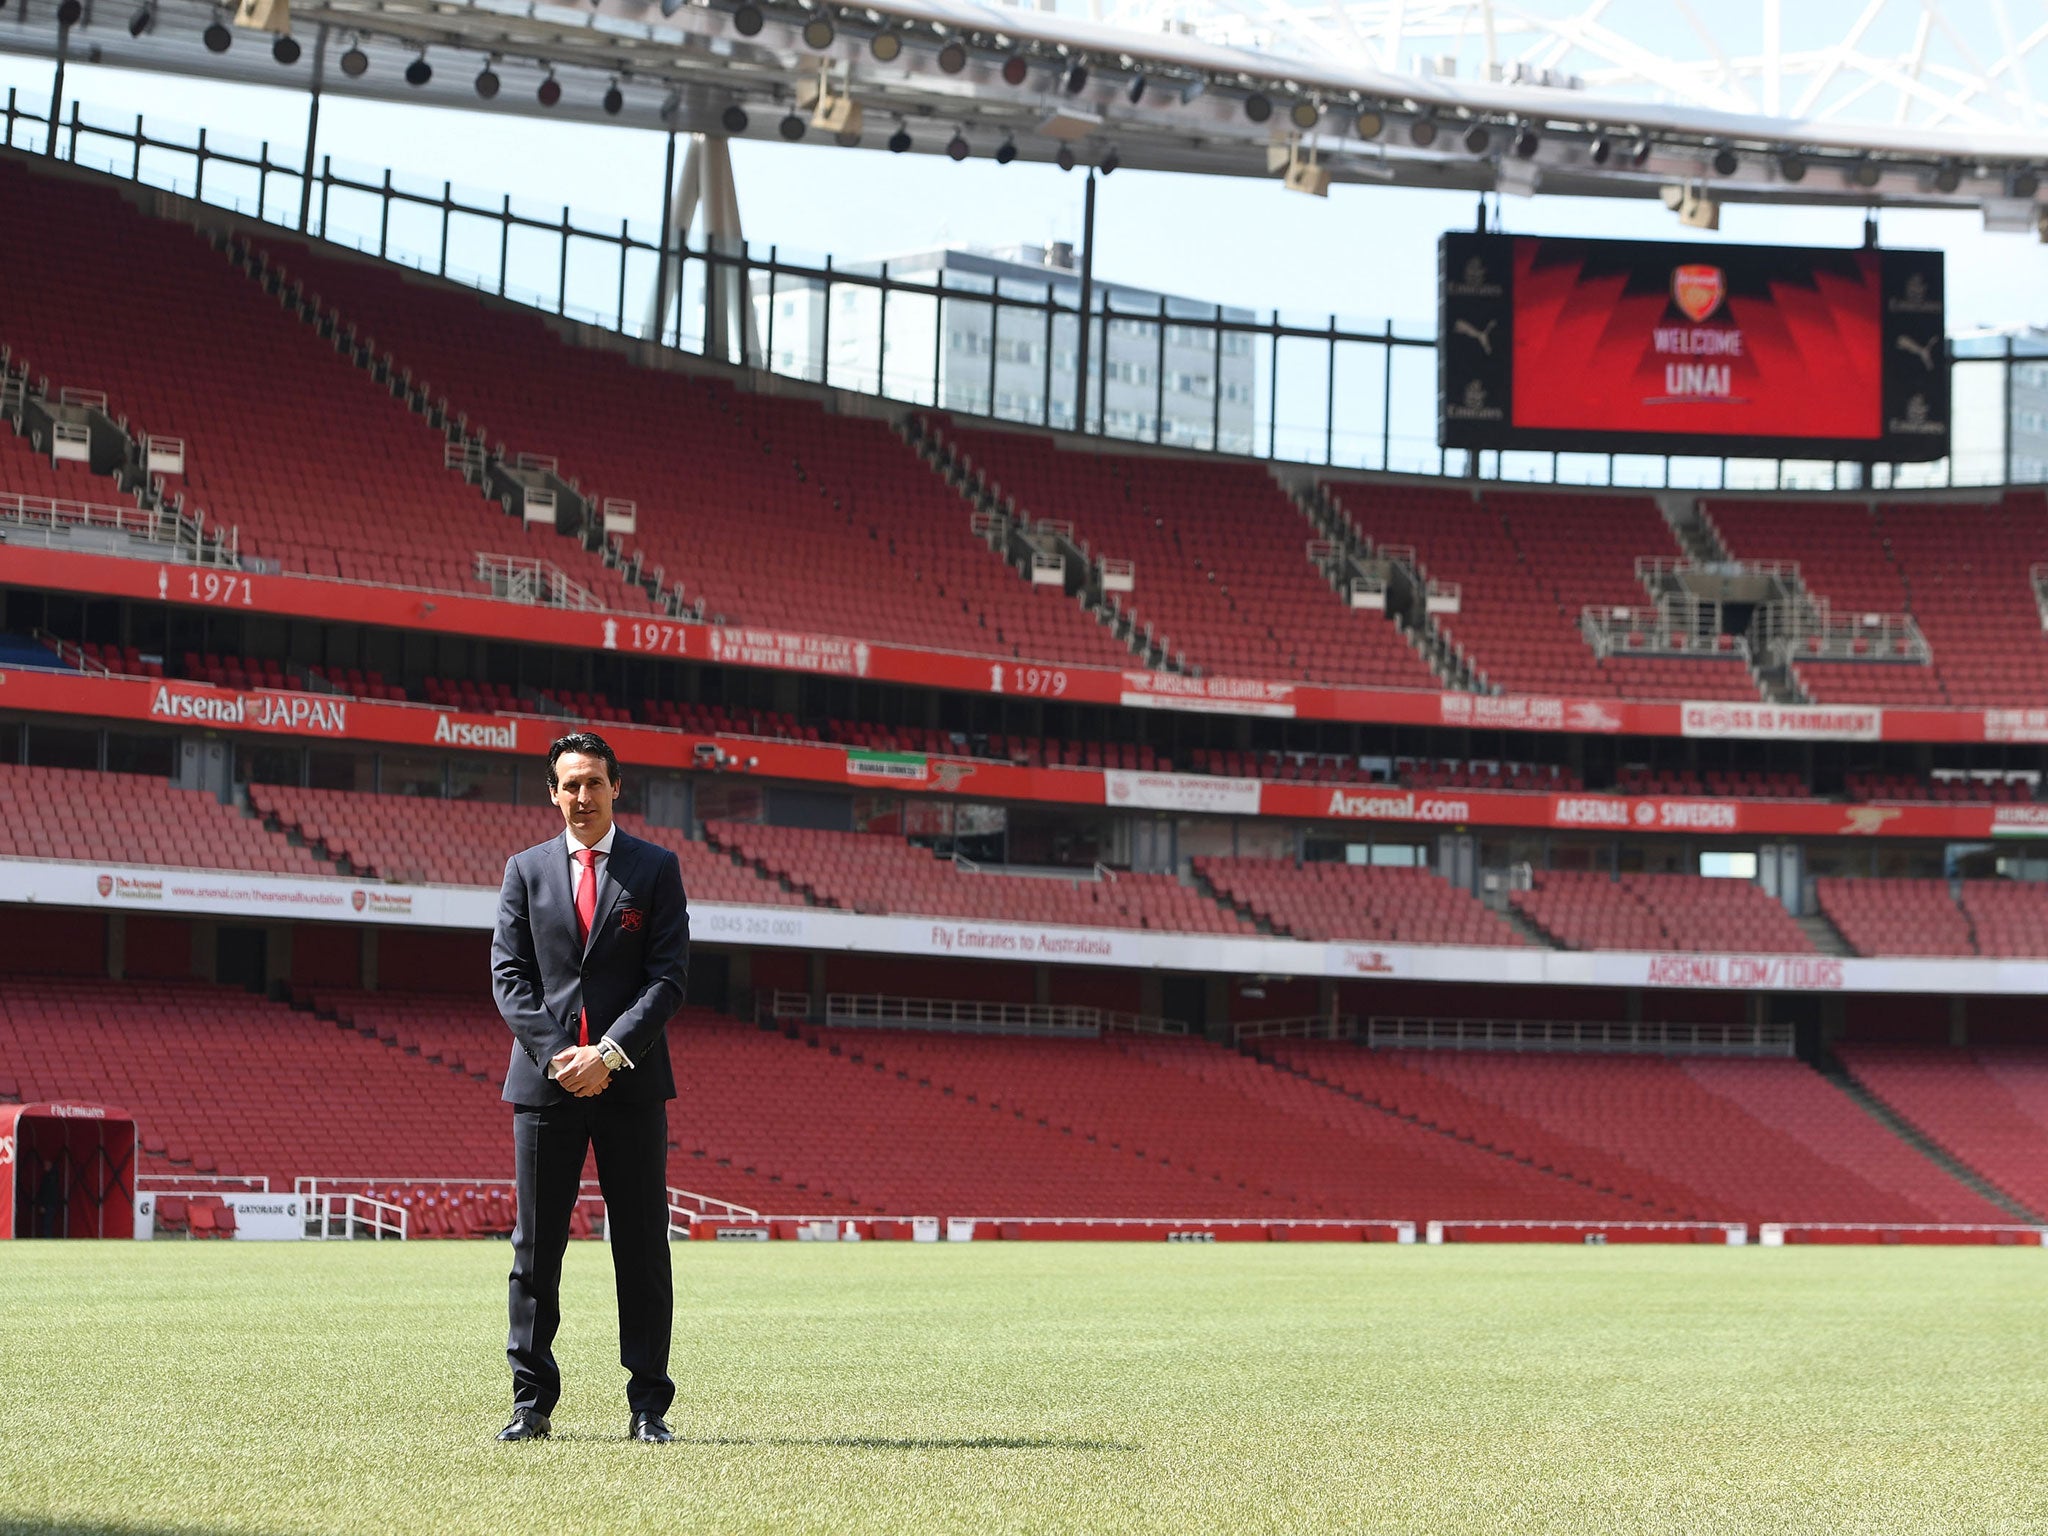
{"type": "Point", "coordinates": [1645, 347]}
{"type": "Point", "coordinates": [323, 717]}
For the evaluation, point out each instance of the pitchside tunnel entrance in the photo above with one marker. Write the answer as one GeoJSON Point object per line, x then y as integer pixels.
{"type": "Point", "coordinates": [71, 1171]}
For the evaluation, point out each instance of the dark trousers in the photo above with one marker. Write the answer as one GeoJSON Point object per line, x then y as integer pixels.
{"type": "Point", "coordinates": [631, 1142]}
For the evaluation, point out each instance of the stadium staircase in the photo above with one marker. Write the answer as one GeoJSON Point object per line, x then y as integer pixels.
{"type": "Point", "coordinates": [1353, 565]}
{"type": "Point", "coordinates": [719, 495]}
{"type": "Point", "coordinates": [1029, 547]}
{"type": "Point", "coordinates": [1831, 1066]}
{"type": "Point", "coordinates": [1210, 562]}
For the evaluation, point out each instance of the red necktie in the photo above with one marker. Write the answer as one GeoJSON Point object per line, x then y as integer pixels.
{"type": "Point", "coordinates": [586, 914]}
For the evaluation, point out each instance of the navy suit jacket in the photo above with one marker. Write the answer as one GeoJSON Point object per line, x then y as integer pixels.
{"type": "Point", "coordinates": [630, 976]}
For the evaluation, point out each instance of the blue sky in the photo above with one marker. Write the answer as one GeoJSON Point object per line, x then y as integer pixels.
{"type": "Point", "coordinates": [1366, 253]}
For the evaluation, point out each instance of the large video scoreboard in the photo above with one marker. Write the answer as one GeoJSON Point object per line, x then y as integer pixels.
{"type": "Point", "coordinates": [1621, 346]}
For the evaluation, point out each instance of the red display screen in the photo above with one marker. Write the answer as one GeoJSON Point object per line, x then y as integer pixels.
{"type": "Point", "coordinates": [1608, 341]}
{"type": "Point", "coordinates": [1634, 346]}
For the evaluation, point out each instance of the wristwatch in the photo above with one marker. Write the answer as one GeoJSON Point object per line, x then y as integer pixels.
{"type": "Point", "coordinates": [614, 1058]}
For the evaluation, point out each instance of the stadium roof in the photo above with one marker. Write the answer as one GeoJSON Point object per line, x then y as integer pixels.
{"type": "Point", "coordinates": [1901, 103]}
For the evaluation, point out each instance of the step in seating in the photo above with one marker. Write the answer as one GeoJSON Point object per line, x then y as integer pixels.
{"type": "Point", "coordinates": [1986, 1108]}
{"type": "Point", "coordinates": [1659, 912]}
{"type": "Point", "coordinates": [877, 873]}
{"type": "Point", "coordinates": [1220, 558]}
{"type": "Point", "coordinates": [1888, 916]}
{"type": "Point", "coordinates": [136, 819]}
{"type": "Point", "coordinates": [1706, 1138]}
{"type": "Point", "coordinates": [770, 511]}
{"type": "Point", "coordinates": [1356, 901]}
{"type": "Point", "coordinates": [312, 459]}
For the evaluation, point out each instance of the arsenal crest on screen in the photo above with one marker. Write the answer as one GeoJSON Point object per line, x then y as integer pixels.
{"type": "Point", "coordinates": [1698, 289]}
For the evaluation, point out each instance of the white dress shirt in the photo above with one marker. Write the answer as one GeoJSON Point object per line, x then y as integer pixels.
{"type": "Point", "coordinates": [604, 851]}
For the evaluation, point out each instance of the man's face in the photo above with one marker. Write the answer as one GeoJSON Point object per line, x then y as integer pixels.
{"type": "Point", "coordinates": [584, 796]}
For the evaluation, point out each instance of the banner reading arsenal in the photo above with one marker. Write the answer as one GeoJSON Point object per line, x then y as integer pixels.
{"type": "Point", "coordinates": [1632, 346]}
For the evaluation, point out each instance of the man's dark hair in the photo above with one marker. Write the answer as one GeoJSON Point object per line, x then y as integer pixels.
{"type": "Point", "coordinates": [590, 744]}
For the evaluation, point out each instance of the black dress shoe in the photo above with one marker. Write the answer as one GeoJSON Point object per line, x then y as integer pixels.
{"type": "Point", "coordinates": [527, 1424]}
{"type": "Point", "coordinates": [649, 1427]}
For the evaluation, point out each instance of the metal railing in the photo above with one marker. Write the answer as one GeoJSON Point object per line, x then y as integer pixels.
{"type": "Point", "coordinates": [853, 1010]}
{"type": "Point", "coordinates": [1813, 631]}
{"type": "Point", "coordinates": [346, 1216]}
{"type": "Point", "coordinates": [1166, 371]}
{"type": "Point", "coordinates": [1579, 1036]}
{"type": "Point", "coordinates": [532, 580]}
{"type": "Point", "coordinates": [1320, 1026]}
{"type": "Point", "coordinates": [179, 538]}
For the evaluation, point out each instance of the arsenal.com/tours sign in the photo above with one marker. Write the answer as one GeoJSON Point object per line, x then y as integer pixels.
{"type": "Point", "coordinates": [238, 895]}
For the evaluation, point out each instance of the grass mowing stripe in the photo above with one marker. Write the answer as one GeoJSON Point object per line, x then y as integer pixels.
{"type": "Point", "coordinates": [1047, 1387]}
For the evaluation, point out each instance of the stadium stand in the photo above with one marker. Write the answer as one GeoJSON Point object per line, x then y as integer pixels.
{"type": "Point", "coordinates": [1959, 567]}
{"type": "Point", "coordinates": [1222, 575]}
{"type": "Point", "coordinates": [411, 840]}
{"type": "Point", "coordinates": [1353, 901]}
{"type": "Point", "coordinates": [1521, 561]}
{"type": "Point", "coordinates": [27, 651]}
{"type": "Point", "coordinates": [1897, 917]}
{"type": "Point", "coordinates": [868, 872]}
{"type": "Point", "coordinates": [319, 467]}
{"type": "Point", "coordinates": [130, 818]}
{"type": "Point", "coordinates": [1988, 1109]}
{"type": "Point", "coordinates": [2009, 918]}
{"type": "Point", "coordinates": [1966, 568]}
{"type": "Point", "coordinates": [1752, 784]}
{"type": "Point", "coordinates": [1716, 1139]}
{"type": "Point", "coordinates": [730, 487]}
{"type": "Point", "coordinates": [1584, 910]}
{"type": "Point", "coordinates": [1970, 790]}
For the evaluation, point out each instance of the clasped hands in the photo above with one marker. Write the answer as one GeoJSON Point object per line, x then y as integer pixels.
{"type": "Point", "coordinates": [581, 1070]}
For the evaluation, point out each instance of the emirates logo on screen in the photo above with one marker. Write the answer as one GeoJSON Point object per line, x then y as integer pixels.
{"type": "Point", "coordinates": [1698, 290]}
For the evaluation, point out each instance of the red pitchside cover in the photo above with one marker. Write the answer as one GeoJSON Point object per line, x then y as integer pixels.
{"type": "Point", "coordinates": [1719, 342]}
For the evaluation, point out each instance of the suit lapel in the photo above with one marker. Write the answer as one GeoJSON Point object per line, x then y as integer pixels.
{"type": "Point", "coordinates": [608, 885]}
{"type": "Point", "coordinates": [563, 893]}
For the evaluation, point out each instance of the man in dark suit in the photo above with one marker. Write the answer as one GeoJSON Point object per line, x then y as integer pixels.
{"type": "Point", "coordinates": [588, 965]}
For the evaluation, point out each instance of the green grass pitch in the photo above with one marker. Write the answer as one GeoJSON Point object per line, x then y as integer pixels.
{"type": "Point", "coordinates": [1038, 1387]}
